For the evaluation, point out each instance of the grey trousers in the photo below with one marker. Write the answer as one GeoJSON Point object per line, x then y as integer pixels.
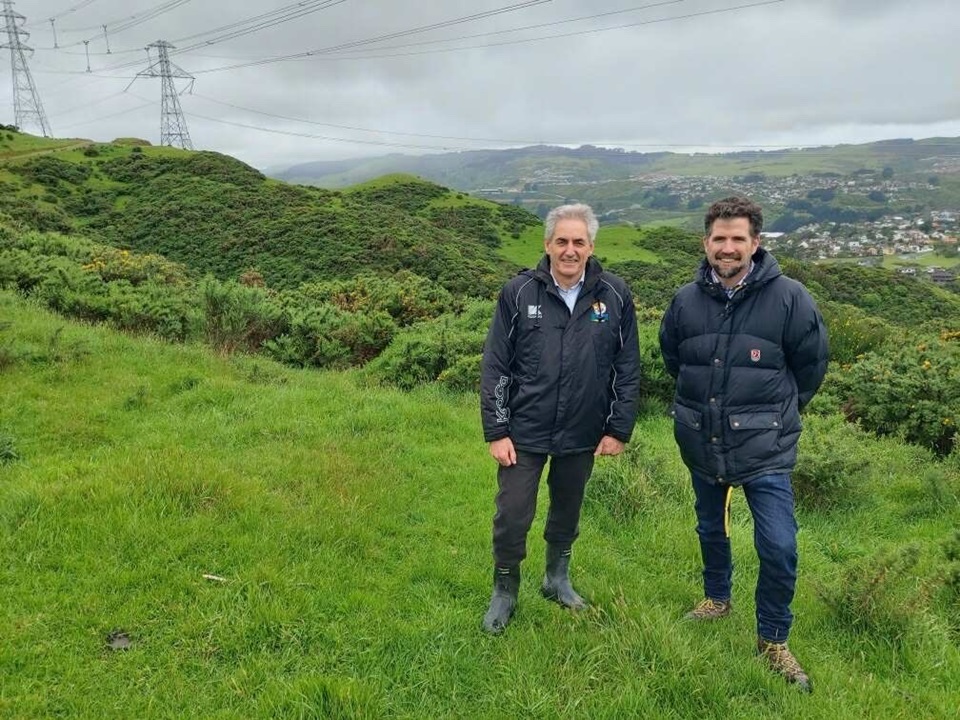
{"type": "Point", "coordinates": [517, 503]}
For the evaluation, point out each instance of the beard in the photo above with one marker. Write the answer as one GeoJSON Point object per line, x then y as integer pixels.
{"type": "Point", "coordinates": [728, 271]}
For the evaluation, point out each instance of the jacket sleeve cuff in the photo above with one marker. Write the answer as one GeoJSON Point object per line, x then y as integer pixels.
{"type": "Point", "coordinates": [497, 434]}
{"type": "Point", "coordinates": [622, 437]}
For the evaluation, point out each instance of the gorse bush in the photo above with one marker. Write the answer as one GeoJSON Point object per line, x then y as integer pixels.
{"type": "Point", "coordinates": [880, 595]}
{"type": "Point", "coordinates": [323, 335]}
{"type": "Point", "coordinates": [910, 390]}
{"type": "Point", "coordinates": [237, 317]}
{"type": "Point", "coordinates": [449, 346]}
{"type": "Point", "coordinates": [655, 383]}
{"type": "Point", "coordinates": [405, 296]}
{"type": "Point", "coordinates": [833, 462]}
{"type": "Point", "coordinates": [86, 280]}
{"type": "Point", "coordinates": [853, 332]}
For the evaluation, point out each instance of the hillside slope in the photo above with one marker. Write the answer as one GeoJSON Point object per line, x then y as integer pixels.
{"type": "Point", "coordinates": [280, 543]}
{"type": "Point", "coordinates": [219, 216]}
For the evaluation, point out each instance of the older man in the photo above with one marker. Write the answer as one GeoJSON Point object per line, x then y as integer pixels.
{"type": "Point", "coordinates": [748, 349]}
{"type": "Point", "coordinates": [560, 379]}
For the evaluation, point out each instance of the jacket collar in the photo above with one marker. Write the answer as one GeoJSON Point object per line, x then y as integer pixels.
{"type": "Point", "coordinates": [765, 269]}
{"type": "Point", "coordinates": [591, 274]}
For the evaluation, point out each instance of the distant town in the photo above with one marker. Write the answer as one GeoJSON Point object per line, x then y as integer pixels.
{"type": "Point", "coordinates": [867, 217]}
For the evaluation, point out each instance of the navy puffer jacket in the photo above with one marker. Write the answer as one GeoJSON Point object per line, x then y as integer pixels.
{"type": "Point", "coordinates": [745, 366]}
{"type": "Point", "coordinates": [554, 381]}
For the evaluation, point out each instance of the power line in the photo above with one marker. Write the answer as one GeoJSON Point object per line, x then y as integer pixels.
{"type": "Point", "coordinates": [86, 105]}
{"type": "Point", "coordinates": [112, 115]}
{"type": "Point", "coordinates": [251, 25]}
{"type": "Point", "coordinates": [312, 54]}
{"type": "Point", "coordinates": [536, 26]}
{"type": "Point", "coordinates": [119, 26]}
{"type": "Point", "coordinates": [759, 148]}
{"type": "Point", "coordinates": [411, 31]}
{"type": "Point", "coordinates": [262, 22]}
{"type": "Point", "coordinates": [292, 133]}
{"type": "Point", "coordinates": [70, 10]}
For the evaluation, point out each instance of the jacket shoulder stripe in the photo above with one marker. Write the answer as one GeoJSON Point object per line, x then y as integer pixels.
{"type": "Point", "coordinates": [516, 304]}
{"type": "Point", "coordinates": [619, 296]}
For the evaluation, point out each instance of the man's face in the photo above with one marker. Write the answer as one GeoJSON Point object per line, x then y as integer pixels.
{"type": "Point", "coordinates": [569, 248]}
{"type": "Point", "coordinates": [729, 247]}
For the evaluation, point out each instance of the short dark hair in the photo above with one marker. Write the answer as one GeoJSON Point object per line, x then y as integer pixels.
{"type": "Point", "coordinates": [735, 207]}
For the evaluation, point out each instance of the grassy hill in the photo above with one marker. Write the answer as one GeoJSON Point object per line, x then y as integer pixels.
{"type": "Point", "coordinates": [219, 216]}
{"type": "Point", "coordinates": [350, 557]}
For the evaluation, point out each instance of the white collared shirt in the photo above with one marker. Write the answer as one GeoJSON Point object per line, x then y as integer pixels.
{"type": "Point", "coordinates": [570, 296]}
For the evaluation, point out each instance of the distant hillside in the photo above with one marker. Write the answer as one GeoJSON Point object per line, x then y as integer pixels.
{"type": "Point", "coordinates": [893, 177]}
{"type": "Point", "coordinates": [488, 169]}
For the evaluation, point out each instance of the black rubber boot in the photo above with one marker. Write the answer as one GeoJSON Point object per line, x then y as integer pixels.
{"type": "Point", "coordinates": [506, 587]}
{"type": "Point", "coordinates": [556, 583]}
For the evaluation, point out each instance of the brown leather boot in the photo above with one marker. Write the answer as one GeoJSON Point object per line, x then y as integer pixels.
{"type": "Point", "coordinates": [782, 662]}
{"type": "Point", "coordinates": [709, 609]}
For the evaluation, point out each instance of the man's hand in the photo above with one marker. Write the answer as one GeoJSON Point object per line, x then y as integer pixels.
{"type": "Point", "coordinates": [609, 446]}
{"type": "Point", "coordinates": [503, 452]}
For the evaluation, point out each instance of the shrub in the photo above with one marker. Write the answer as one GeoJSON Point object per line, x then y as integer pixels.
{"type": "Point", "coordinates": [50, 171]}
{"type": "Point", "coordinates": [655, 383]}
{"type": "Point", "coordinates": [447, 346]}
{"type": "Point", "coordinates": [405, 296]}
{"type": "Point", "coordinates": [852, 331]}
{"type": "Point", "coordinates": [238, 317]}
{"type": "Point", "coordinates": [910, 390]}
{"type": "Point", "coordinates": [323, 335]}
{"type": "Point", "coordinates": [833, 462]}
{"type": "Point", "coordinates": [880, 595]}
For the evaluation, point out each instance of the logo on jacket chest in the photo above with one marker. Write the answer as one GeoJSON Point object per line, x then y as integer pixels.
{"type": "Point", "coordinates": [533, 312]}
{"type": "Point", "coordinates": [755, 355]}
{"type": "Point", "coordinates": [598, 312]}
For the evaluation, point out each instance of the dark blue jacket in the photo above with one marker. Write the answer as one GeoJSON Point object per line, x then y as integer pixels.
{"type": "Point", "coordinates": [745, 367]}
{"type": "Point", "coordinates": [555, 382]}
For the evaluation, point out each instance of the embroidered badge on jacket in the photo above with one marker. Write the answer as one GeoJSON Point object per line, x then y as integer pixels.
{"type": "Point", "coordinates": [598, 312]}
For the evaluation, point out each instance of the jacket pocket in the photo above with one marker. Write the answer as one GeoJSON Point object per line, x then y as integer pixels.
{"type": "Point", "coordinates": [687, 416]}
{"type": "Point", "coordinates": [756, 421]}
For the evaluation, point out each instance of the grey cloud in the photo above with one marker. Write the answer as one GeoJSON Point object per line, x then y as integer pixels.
{"type": "Point", "coordinates": [792, 72]}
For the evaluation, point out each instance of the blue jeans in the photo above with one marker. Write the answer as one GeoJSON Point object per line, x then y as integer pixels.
{"type": "Point", "coordinates": [770, 498]}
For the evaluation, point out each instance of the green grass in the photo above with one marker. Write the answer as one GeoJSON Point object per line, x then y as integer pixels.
{"type": "Point", "coordinates": [614, 244]}
{"type": "Point", "coordinates": [351, 524]}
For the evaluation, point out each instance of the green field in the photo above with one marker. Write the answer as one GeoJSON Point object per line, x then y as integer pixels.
{"type": "Point", "coordinates": [614, 244]}
{"type": "Point", "coordinates": [347, 530]}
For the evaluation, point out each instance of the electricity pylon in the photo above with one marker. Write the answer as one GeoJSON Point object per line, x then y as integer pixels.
{"type": "Point", "coordinates": [27, 107]}
{"type": "Point", "coordinates": [173, 126]}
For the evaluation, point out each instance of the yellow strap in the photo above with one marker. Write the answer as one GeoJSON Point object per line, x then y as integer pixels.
{"type": "Point", "coordinates": [726, 511]}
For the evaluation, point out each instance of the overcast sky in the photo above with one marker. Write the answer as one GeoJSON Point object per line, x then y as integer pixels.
{"type": "Point", "coordinates": [786, 73]}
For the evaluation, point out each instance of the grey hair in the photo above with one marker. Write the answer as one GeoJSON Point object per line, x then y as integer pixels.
{"type": "Point", "coordinates": [577, 211]}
